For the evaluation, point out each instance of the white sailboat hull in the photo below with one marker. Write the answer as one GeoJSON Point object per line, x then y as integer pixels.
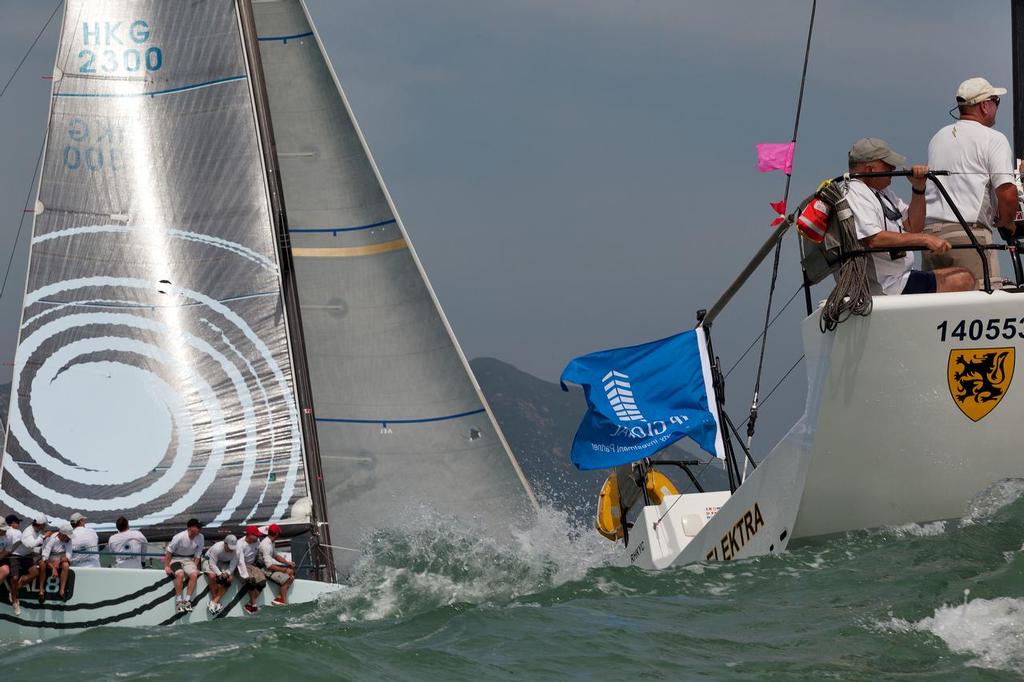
{"type": "Point", "coordinates": [891, 445]}
{"type": "Point", "coordinates": [757, 519]}
{"type": "Point", "coordinates": [128, 598]}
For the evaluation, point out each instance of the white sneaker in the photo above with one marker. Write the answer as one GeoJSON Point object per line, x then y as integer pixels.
{"type": "Point", "coordinates": [17, 609]}
{"type": "Point", "coordinates": [187, 606]}
{"type": "Point", "coordinates": [179, 607]}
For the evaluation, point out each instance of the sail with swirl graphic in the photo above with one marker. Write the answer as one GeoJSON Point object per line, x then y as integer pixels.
{"type": "Point", "coordinates": [400, 419]}
{"type": "Point", "coordinates": [153, 376]}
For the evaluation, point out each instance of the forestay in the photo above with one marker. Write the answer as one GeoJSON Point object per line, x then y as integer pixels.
{"type": "Point", "coordinates": [401, 422]}
{"type": "Point", "coordinates": [153, 375]}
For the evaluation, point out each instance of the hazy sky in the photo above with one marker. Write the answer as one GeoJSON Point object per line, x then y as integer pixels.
{"type": "Point", "coordinates": [580, 174]}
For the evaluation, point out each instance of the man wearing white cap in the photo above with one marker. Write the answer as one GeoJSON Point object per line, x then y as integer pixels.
{"type": "Point", "coordinates": [85, 542]}
{"type": "Point", "coordinates": [25, 557]}
{"type": "Point", "coordinates": [58, 553]}
{"type": "Point", "coordinates": [982, 185]}
{"type": "Point", "coordinates": [220, 562]}
{"type": "Point", "coordinates": [883, 220]}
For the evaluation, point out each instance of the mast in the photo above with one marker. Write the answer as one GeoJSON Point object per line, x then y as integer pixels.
{"type": "Point", "coordinates": [319, 528]}
{"type": "Point", "coordinates": [1017, 42]}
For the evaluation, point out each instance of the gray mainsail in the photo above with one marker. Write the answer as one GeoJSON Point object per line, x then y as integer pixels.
{"type": "Point", "coordinates": [400, 419]}
{"type": "Point", "coordinates": [153, 376]}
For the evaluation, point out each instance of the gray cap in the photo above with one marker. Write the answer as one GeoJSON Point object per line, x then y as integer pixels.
{"type": "Point", "coordinates": [872, 149]}
{"type": "Point", "coordinates": [75, 518]}
{"type": "Point", "coordinates": [41, 520]}
{"type": "Point", "coordinates": [65, 529]}
{"type": "Point", "coordinates": [3, 526]}
{"type": "Point", "coordinates": [231, 542]}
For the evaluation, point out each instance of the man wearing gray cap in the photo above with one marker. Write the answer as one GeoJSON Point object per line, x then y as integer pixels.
{"type": "Point", "coordinates": [883, 220]}
{"type": "Point", "coordinates": [981, 185]}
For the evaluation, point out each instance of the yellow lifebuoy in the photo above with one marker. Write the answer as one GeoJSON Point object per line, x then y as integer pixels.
{"type": "Point", "coordinates": [659, 487]}
{"type": "Point", "coordinates": [609, 523]}
{"type": "Point", "coordinates": [609, 512]}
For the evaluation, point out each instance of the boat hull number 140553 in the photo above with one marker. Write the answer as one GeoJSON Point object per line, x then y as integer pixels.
{"type": "Point", "coordinates": [975, 330]}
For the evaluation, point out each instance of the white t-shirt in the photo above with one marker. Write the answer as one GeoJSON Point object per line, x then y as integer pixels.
{"type": "Point", "coordinates": [873, 212]}
{"type": "Point", "coordinates": [31, 542]}
{"type": "Point", "coordinates": [182, 546]}
{"type": "Point", "coordinates": [127, 548]}
{"type": "Point", "coordinates": [12, 538]}
{"type": "Point", "coordinates": [267, 552]}
{"type": "Point", "coordinates": [220, 556]}
{"type": "Point", "coordinates": [985, 158]}
{"type": "Point", "coordinates": [55, 546]}
{"type": "Point", "coordinates": [245, 555]}
{"type": "Point", "coordinates": [85, 539]}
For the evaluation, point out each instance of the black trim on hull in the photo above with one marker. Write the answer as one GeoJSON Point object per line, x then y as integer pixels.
{"type": "Point", "coordinates": [81, 625]}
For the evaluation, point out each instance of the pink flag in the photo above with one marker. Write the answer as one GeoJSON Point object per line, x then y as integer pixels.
{"type": "Point", "coordinates": [775, 156]}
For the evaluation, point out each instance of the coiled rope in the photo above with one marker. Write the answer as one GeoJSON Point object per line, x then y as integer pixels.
{"type": "Point", "coordinates": [852, 293]}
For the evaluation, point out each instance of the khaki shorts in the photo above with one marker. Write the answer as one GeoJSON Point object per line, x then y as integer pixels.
{"type": "Point", "coordinates": [208, 567]}
{"type": "Point", "coordinates": [187, 565]}
{"type": "Point", "coordinates": [280, 577]}
{"type": "Point", "coordinates": [965, 258]}
{"type": "Point", "coordinates": [255, 573]}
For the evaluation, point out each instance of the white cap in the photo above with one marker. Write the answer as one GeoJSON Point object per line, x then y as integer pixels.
{"type": "Point", "coordinates": [975, 90]}
{"type": "Point", "coordinates": [76, 517]}
{"type": "Point", "coordinates": [65, 529]}
{"type": "Point", "coordinates": [3, 526]}
{"type": "Point", "coordinates": [231, 542]}
{"type": "Point", "coordinates": [41, 520]}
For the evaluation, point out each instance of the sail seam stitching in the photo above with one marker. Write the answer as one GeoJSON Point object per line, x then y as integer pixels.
{"type": "Point", "coordinates": [155, 93]}
{"type": "Point", "coordinates": [401, 421]}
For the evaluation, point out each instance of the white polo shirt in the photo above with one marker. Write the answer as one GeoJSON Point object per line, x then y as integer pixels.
{"type": "Point", "coordinates": [984, 157]}
{"type": "Point", "coordinates": [245, 556]}
{"type": "Point", "coordinates": [182, 546]}
{"type": "Point", "coordinates": [127, 547]}
{"type": "Point", "coordinates": [222, 559]}
{"type": "Point", "coordinates": [31, 542]}
{"type": "Point", "coordinates": [55, 546]}
{"type": "Point", "coordinates": [85, 539]}
{"type": "Point", "coordinates": [869, 213]}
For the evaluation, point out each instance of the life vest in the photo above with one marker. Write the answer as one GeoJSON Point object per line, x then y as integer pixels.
{"type": "Point", "coordinates": [610, 512]}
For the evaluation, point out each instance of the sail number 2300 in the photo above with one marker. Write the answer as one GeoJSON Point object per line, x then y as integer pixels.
{"type": "Point", "coordinates": [975, 330]}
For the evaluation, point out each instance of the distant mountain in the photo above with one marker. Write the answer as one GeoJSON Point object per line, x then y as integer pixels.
{"type": "Point", "coordinates": [539, 420]}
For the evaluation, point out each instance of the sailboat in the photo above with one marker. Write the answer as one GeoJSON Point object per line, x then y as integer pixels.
{"type": "Point", "coordinates": [911, 410]}
{"type": "Point", "coordinates": [224, 317]}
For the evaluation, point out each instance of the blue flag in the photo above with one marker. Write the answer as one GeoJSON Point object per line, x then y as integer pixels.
{"type": "Point", "coordinates": [643, 398]}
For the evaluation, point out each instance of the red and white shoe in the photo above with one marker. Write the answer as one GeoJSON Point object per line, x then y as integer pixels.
{"type": "Point", "coordinates": [278, 602]}
{"type": "Point", "coordinates": [251, 608]}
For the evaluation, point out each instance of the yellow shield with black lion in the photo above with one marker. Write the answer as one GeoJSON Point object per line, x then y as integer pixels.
{"type": "Point", "coordinates": [979, 378]}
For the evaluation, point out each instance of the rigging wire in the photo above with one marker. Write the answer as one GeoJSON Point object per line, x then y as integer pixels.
{"type": "Point", "coordinates": [25, 212]}
{"type": "Point", "coordinates": [758, 337]}
{"type": "Point", "coordinates": [31, 47]}
{"type": "Point", "coordinates": [752, 417]}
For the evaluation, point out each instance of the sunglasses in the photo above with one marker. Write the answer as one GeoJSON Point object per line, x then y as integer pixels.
{"type": "Point", "coordinates": [994, 99]}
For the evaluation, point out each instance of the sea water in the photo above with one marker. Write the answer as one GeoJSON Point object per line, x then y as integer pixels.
{"type": "Point", "coordinates": [942, 600]}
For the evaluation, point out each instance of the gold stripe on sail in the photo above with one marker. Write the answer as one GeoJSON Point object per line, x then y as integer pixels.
{"type": "Point", "coordinates": [349, 251]}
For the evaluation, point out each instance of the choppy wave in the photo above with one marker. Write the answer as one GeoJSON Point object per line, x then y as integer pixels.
{"type": "Point", "coordinates": [555, 601]}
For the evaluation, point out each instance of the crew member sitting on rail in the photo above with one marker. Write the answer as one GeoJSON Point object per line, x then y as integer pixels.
{"type": "Point", "coordinates": [127, 545]}
{"type": "Point", "coordinates": [883, 220]}
{"type": "Point", "coordinates": [219, 564]}
{"type": "Point", "coordinates": [247, 550]}
{"type": "Point", "coordinates": [85, 543]}
{"type": "Point", "coordinates": [58, 553]}
{"type": "Point", "coordinates": [12, 539]}
{"type": "Point", "coordinates": [5, 567]}
{"type": "Point", "coordinates": [278, 568]}
{"type": "Point", "coordinates": [181, 558]}
{"type": "Point", "coordinates": [25, 559]}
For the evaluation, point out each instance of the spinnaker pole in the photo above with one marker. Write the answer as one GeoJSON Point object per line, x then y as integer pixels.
{"type": "Point", "coordinates": [319, 528]}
